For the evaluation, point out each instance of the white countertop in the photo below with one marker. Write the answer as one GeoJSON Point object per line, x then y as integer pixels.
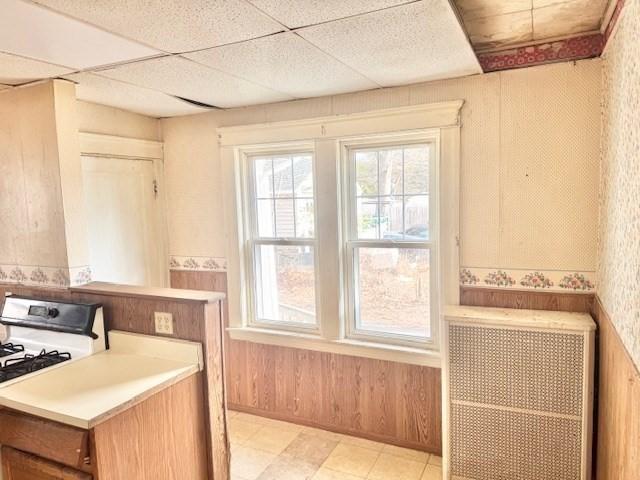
{"type": "Point", "coordinates": [88, 391]}
{"type": "Point", "coordinates": [521, 318]}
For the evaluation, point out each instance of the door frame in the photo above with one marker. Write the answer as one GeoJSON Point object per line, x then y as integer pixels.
{"type": "Point", "coordinates": [98, 145]}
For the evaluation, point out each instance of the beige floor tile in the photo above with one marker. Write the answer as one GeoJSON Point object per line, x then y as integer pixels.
{"type": "Point", "coordinates": [435, 460]}
{"type": "Point", "coordinates": [268, 422]}
{"type": "Point", "coordinates": [289, 468]}
{"type": "Point", "coordinates": [407, 453]}
{"type": "Point", "coordinates": [231, 413]}
{"type": "Point", "coordinates": [351, 459]}
{"type": "Point", "coordinates": [241, 430]}
{"type": "Point", "coordinates": [310, 448]}
{"type": "Point", "coordinates": [432, 472]}
{"type": "Point", "coordinates": [389, 466]}
{"type": "Point", "coordinates": [326, 474]}
{"type": "Point", "coordinates": [270, 439]}
{"type": "Point", "coordinates": [363, 442]}
{"type": "Point", "coordinates": [248, 463]}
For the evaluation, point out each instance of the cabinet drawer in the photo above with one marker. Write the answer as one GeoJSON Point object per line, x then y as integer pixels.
{"type": "Point", "coordinates": [47, 439]}
{"type": "Point", "coordinates": [18, 465]}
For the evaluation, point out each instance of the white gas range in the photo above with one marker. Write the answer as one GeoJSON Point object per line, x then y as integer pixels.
{"type": "Point", "coordinates": [41, 334]}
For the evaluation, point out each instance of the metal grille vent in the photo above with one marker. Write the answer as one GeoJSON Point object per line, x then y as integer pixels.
{"type": "Point", "coordinates": [491, 444]}
{"type": "Point", "coordinates": [531, 370]}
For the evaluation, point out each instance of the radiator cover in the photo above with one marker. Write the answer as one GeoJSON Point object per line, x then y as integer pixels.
{"type": "Point", "coordinates": [518, 389]}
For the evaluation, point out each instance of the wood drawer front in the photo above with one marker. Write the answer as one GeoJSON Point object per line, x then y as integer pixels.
{"type": "Point", "coordinates": [47, 439]}
{"type": "Point", "coordinates": [18, 465]}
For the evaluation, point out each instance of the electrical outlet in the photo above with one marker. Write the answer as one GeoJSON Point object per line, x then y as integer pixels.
{"type": "Point", "coordinates": [164, 323]}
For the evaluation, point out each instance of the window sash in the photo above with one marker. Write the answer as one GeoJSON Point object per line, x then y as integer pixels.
{"type": "Point", "coordinates": [352, 242]}
{"type": "Point", "coordinates": [254, 240]}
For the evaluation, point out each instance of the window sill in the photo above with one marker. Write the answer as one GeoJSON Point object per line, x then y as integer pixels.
{"type": "Point", "coordinates": [356, 348]}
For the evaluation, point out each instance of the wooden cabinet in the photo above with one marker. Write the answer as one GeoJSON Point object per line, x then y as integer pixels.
{"type": "Point", "coordinates": [17, 465]}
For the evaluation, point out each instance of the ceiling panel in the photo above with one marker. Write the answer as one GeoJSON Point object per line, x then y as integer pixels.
{"type": "Point", "coordinates": [471, 9]}
{"type": "Point", "coordinates": [173, 26]}
{"type": "Point", "coordinates": [287, 63]}
{"type": "Point", "coordinates": [35, 32]}
{"type": "Point", "coordinates": [17, 70]}
{"type": "Point", "coordinates": [412, 43]}
{"type": "Point", "coordinates": [96, 89]}
{"type": "Point", "coordinates": [296, 13]}
{"type": "Point", "coordinates": [561, 19]}
{"type": "Point", "coordinates": [185, 78]}
{"type": "Point", "coordinates": [500, 30]}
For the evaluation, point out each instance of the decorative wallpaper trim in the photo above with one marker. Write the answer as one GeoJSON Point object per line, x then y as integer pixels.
{"type": "Point", "coordinates": [546, 280]}
{"type": "Point", "coordinates": [575, 48]}
{"type": "Point", "coordinates": [198, 264]}
{"type": "Point", "coordinates": [55, 277]}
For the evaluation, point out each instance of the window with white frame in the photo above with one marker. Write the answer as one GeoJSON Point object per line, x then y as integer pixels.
{"type": "Point", "coordinates": [390, 247]}
{"type": "Point", "coordinates": [281, 232]}
{"type": "Point", "coordinates": [347, 233]}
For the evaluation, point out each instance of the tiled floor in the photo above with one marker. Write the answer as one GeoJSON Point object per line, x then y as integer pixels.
{"type": "Point", "coordinates": [264, 449]}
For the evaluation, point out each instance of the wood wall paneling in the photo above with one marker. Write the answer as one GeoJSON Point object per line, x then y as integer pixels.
{"type": "Point", "coordinates": [531, 300]}
{"type": "Point", "coordinates": [379, 400]}
{"type": "Point", "coordinates": [617, 441]}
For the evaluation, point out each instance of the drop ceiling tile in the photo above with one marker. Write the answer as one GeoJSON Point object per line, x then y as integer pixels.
{"type": "Point", "coordinates": [185, 78]}
{"type": "Point", "coordinates": [96, 89]}
{"type": "Point", "coordinates": [16, 70]}
{"type": "Point", "coordinates": [296, 13]}
{"type": "Point", "coordinates": [500, 30]}
{"type": "Point", "coordinates": [412, 43]}
{"type": "Point", "coordinates": [287, 63]}
{"type": "Point", "coordinates": [471, 9]}
{"type": "Point", "coordinates": [35, 32]}
{"type": "Point", "coordinates": [173, 26]}
{"type": "Point", "coordinates": [568, 18]}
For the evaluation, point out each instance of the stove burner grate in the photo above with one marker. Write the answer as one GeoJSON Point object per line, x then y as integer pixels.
{"type": "Point", "coordinates": [16, 367]}
{"type": "Point", "coordinates": [10, 349]}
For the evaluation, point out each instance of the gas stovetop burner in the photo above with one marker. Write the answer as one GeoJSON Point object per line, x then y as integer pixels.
{"type": "Point", "coordinates": [16, 367]}
{"type": "Point", "coordinates": [10, 349]}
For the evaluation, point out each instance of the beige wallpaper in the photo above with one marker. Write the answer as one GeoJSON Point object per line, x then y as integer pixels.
{"type": "Point", "coordinates": [619, 237]}
{"type": "Point", "coordinates": [40, 175]}
{"type": "Point", "coordinates": [94, 118]}
{"type": "Point", "coordinates": [530, 152]}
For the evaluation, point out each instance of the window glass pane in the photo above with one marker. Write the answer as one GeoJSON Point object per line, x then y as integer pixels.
{"type": "Point", "coordinates": [391, 218]}
{"type": "Point", "coordinates": [304, 218]}
{"type": "Point", "coordinates": [265, 218]}
{"type": "Point", "coordinates": [393, 291]}
{"type": "Point", "coordinates": [286, 284]}
{"type": "Point", "coordinates": [390, 172]}
{"type": "Point", "coordinates": [284, 218]}
{"type": "Point", "coordinates": [366, 173]}
{"type": "Point", "coordinates": [303, 176]}
{"type": "Point", "coordinates": [367, 208]}
{"type": "Point", "coordinates": [416, 169]}
{"type": "Point", "coordinates": [416, 217]}
{"type": "Point", "coordinates": [283, 177]}
{"type": "Point", "coordinates": [264, 177]}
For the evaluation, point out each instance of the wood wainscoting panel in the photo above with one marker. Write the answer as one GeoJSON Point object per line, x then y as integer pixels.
{"type": "Point", "coordinates": [380, 400]}
{"type": "Point", "coordinates": [617, 445]}
{"type": "Point", "coordinates": [530, 300]}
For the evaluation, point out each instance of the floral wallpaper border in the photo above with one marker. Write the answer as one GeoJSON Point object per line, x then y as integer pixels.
{"type": "Point", "coordinates": [517, 279]}
{"type": "Point", "coordinates": [55, 277]}
{"type": "Point", "coordinates": [198, 264]}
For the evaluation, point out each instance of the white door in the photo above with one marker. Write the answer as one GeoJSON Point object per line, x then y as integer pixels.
{"type": "Point", "coordinates": [126, 235]}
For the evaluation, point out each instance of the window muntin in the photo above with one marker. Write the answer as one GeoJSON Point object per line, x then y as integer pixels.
{"type": "Point", "coordinates": [282, 240]}
{"type": "Point", "coordinates": [390, 252]}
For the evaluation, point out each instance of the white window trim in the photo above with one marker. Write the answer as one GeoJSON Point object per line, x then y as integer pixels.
{"type": "Point", "coordinates": [326, 134]}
